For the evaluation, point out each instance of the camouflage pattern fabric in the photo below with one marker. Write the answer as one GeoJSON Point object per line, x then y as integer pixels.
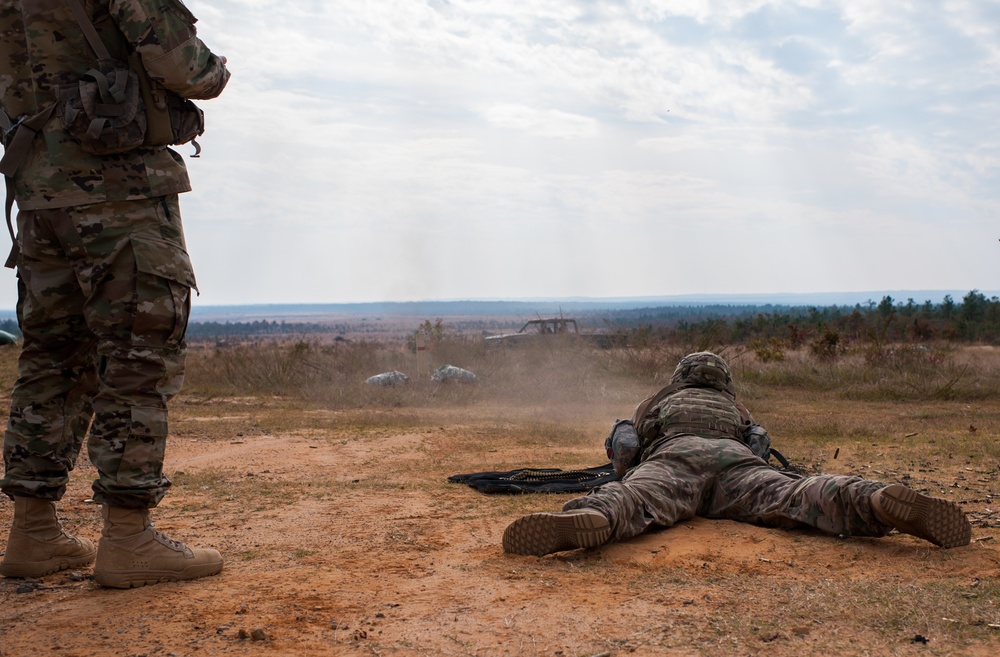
{"type": "Point", "coordinates": [42, 49]}
{"type": "Point", "coordinates": [692, 476]}
{"type": "Point", "coordinates": [104, 294]}
{"type": "Point", "coordinates": [703, 369]}
{"type": "Point", "coordinates": [104, 277]}
{"type": "Point", "coordinates": [701, 411]}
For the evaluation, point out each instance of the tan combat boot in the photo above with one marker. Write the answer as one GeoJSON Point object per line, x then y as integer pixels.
{"type": "Point", "coordinates": [543, 533]}
{"type": "Point", "coordinates": [37, 544]}
{"type": "Point", "coordinates": [931, 518]}
{"type": "Point", "coordinates": [132, 553]}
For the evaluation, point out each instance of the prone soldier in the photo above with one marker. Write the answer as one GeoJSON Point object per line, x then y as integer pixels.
{"type": "Point", "coordinates": [700, 454]}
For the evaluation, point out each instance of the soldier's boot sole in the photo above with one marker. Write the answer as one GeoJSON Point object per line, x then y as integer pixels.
{"type": "Point", "coordinates": [539, 534]}
{"type": "Point", "coordinates": [131, 580]}
{"type": "Point", "coordinates": [931, 518]}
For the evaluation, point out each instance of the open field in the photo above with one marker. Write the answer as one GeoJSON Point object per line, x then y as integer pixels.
{"type": "Point", "coordinates": [342, 536]}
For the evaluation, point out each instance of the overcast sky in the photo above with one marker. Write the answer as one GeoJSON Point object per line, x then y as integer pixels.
{"type": "Point", "coordinates": [425, 149]}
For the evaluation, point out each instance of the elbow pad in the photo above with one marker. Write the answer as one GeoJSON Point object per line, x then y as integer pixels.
{"type": "Point", "coordinates": [623, 446]}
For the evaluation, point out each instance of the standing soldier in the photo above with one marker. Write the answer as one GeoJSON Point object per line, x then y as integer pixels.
{"type": "Point", "coordinates": [699, 454]}
{"type": "Point", "coordinates": [104, 279]}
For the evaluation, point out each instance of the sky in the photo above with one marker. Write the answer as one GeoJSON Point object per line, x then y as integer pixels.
{"type": "Point", "coordinates": [399, 150]}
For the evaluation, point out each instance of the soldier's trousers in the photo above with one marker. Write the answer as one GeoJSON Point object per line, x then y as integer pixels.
{"type": "Point", "coordinates": [103, 302]}
{"type": "Point", "coordinates": [690, 476]}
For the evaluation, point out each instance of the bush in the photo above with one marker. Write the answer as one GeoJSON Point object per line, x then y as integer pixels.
{"type": "Point", "coordinates": [770, 351]}
{"type": "Point", "coordinates": [826, 347]}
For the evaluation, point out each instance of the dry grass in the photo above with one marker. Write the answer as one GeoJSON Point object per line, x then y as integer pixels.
{"type": "Point", "coordinates": [943, 372]}
{"type": "Point", "coordinates": [930, 401]}
{"type": "Point", "coordinates": [333, 376]}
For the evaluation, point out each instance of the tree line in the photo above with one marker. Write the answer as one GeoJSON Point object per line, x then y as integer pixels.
{"type": "Point", "coordinates": [826, 331]}
{"type": "Point", "coordinates": [974, 319]}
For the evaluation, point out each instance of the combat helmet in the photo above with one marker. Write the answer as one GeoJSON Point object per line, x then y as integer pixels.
{"type": "Point", "coordinates": [703, 369]}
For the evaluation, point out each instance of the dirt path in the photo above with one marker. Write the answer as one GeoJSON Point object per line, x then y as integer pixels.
{"type": "Point", "coordinates": [342, 537]}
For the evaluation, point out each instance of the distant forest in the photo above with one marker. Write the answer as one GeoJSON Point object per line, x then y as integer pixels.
{"type": "Point", "coordinates": [828, 332]}
{"type": "Point", "coordinates": [974, 319]}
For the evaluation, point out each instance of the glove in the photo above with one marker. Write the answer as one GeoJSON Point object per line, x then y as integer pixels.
{"type": "Point", "coordinates": [757, 439]}
{"type": "Point", "coordinates": [623, 446]}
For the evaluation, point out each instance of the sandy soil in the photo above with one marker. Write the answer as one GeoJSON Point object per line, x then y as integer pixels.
{"type": "Point", "coordinates": [342, 537]}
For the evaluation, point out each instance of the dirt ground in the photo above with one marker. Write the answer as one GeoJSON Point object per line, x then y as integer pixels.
{"type": "Point", "coordinates": [343, 537]}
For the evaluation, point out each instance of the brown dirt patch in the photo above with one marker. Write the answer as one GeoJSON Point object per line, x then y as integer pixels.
{"type": "Point", "coordinates": [342, 537]}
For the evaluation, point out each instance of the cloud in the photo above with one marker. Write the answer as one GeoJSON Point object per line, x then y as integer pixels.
{"type": "Point", "coordinates": [411, 149]}
{"type": "Point", "coordinates": [430, 145]}
{"type": "Point", "coordinates": [542, 123]}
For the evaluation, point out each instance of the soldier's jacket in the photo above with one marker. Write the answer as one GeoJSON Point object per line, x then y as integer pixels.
{"type": "Point", "coordinates": [700, 400]}
{"type": "Point", "coordinates": [43, 48]}
{"type": "Point", "coordinates": [692, 411]}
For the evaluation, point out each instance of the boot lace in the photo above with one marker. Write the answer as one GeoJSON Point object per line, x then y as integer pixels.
{"type": "Point", "coordinates": [166, 540]}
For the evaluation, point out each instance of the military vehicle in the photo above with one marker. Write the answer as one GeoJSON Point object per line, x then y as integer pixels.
{"type": "Point", "coordinates": [540, 329]}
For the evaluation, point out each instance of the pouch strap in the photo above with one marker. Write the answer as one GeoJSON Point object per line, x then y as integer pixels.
{"type": "Point", "coordinates": [17, 137]}
{"type": "Point", "coordinates": [15, 250]}
{"type": "Point", "coordinates": [18, 140]}
{"type": "Point", "coordinates": [89, 31]}
{"type": "Point", "coordinates": [96, 127]}
{"type": "Point", "coordinates": [112, 94]}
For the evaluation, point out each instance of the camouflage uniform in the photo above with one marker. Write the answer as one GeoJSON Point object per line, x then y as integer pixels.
{"type": "Point", "coordinates": [104, 276]}
{"type": "Point", "coordinates": [694, 464]}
